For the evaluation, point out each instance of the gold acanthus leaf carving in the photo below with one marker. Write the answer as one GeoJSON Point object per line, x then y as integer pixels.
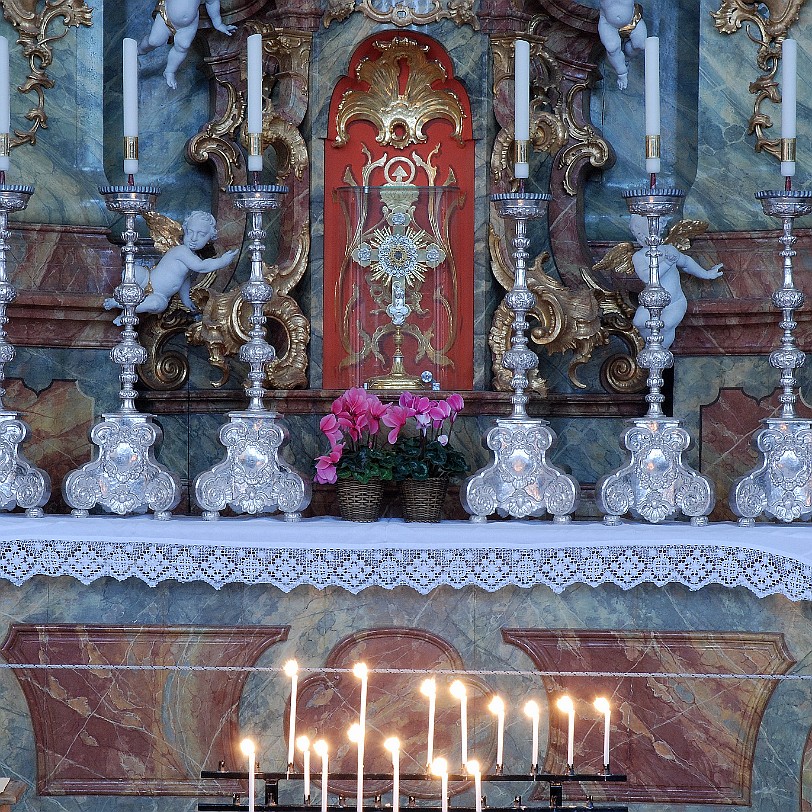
{"type": "Point", "coordinates": [399, 117]}
{"type": "Point", "coordinates": [773, 27]}
{"type": "Point", "coordinates": [36, 39]}
{"type": "Point", "coordinates": [402, 13]}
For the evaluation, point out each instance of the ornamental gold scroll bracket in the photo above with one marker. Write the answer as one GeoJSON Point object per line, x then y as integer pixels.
{"type": "Point", "coordinates": [773, 20]}
{"type": "Point", "coordinates": [403, 12]}
{"type": "Point", "coordinates": [33, 28]}
{"type": "Point", "coordinates": [399, 117]}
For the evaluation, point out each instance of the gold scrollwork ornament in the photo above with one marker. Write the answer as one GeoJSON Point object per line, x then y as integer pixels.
{"type": "Point", "coordinates": [403, 13]}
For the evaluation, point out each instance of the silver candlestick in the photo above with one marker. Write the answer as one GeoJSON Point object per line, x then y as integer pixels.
{"type": "Point", "coordinates": [781, 485]}
{"type": "Point", "coordinates": [520, 481]}
{"type": "Point", "coordinates": [656, 483]}
{"type": "Point", "coordinates": [21, 484]}
{"type": "Point", "coordinates": [253, 479]}
{"type": "Point", "coordinates": [124, 477]}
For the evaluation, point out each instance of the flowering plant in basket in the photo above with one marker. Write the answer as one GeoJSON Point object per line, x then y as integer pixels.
{"type": "Point", "coordinates": [357, 451]}
{"type": "Point", "coordinates": [426, 451]}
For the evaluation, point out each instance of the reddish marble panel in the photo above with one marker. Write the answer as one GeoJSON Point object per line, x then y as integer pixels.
{"type": "Point", "coordinates": [680, 739]}
{"type": "Point", "coordinates": [329, 703]}
{"type": "Point", "coordinates": [150, 732]}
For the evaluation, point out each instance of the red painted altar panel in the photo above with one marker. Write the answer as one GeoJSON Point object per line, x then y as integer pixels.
{"type": "Point", "coordinates": [444, 310]}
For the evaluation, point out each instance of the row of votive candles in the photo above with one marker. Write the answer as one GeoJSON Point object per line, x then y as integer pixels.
{"type": "Point", "coordinates": [437, 766]}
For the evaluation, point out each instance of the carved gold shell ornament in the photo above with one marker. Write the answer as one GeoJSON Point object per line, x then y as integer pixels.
{"type": "Point", "coordinates": [404, 12]}
{"type": "Point", "coordinates": [399, 117]}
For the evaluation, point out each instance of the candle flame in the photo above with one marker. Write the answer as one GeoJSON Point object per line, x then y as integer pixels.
{"type": "Point", "coordinates": [291, 668]}
{"type": "Point", "coordinates": [320, 748]}
{"type": "Point", "coordinates": [472, 767]}
{"type": "Point", "coordinates": [429, 687]}
{"type": "Point", "coordinates": [602, 705]}
{"type": "Point", "coordinates": [303, 743]}
{"type": "Point", "coordinates": [532, 709]}
{"type": "Point", "coordinates": [354, 733]}
{"type": "Point", "coordinates": [360, 670]}
{"type": "Point", "coordinates": [497, 706]}
{"type": "Point", "coordinates": [565, 704]}
{"type": "Point", "coordinates": [439, 767]}
{"type": "Point", "coordinates": [392, 744]}
{"type": "Point", "coordinates": [247, 746]}
{"type": "Point", "coordinates": [458, 689]}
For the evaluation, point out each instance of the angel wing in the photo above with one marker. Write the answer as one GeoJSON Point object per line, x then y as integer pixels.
{"type": "Point", "coordinates": [681, 233]}
{"type": "Point", "coordinates": [618, 258]}
{"type": "Point", "coordinates": [165, 232]}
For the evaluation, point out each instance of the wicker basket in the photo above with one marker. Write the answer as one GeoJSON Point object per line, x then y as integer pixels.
{"type": "Point", "coordinates": [423, 500]}
{"type": "Point", "coordinates": [360, 501]}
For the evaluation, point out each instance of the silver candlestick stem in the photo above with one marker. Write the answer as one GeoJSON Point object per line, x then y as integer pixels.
{"type": "Point", "coordinates": [656, 483]}
{"type": "Point", "coordinates": [21, 484]}
{"type": "Point", "coordinates": [781, 485]}
{"type": "Point", "coordinates": [253, 479]}
{"type": "Point", "coordinates": [124, 477]}
{"type": "Point", "coordinates": [520, 481]}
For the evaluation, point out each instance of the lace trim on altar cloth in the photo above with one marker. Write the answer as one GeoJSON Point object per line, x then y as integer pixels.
{"type": "Point", "coordinates": [491, 568]}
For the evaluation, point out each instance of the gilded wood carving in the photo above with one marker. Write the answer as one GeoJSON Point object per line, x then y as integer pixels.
{"type": "Point", "coordinates": [402, 12]}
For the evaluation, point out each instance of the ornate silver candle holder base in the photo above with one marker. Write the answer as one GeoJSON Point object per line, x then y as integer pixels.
{"type": "Point", "coordinates": [253, 479]}
{"type": "Point", "coordinates": [520, 481]}
{"type": "Point", "coordinates": [781, 485]}
{"type": "Point", "coordinates": [655, 484]}
{"type": "Point", "coordinates": [124, 477]}
{"type": "Point", "coordinates": [21, 484]}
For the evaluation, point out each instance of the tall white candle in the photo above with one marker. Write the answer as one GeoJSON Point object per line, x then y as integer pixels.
{"type": "Point", "coordinates": [458, 691]}
{"type": "Point", "coordinates": [497, 707]}
{"type": "Point", "coordinates": [789, 95]}
{"type": "Point", "coordinates": [393, 746]}
{"type": "Point", "coordinates": [652, 60]}
{"type": "Point", "coordinates": [521, 100]}
{"type": "Point", "coordinates": [429, 689]}
{"type": "Point", "coordinates": [247, 747]}
{"type": "Point", "coordinates": [602, 706]}
{"type": "Point", "coordinates": [303, 743]}
{"type": "Point", "coordinates": [5, 102]}
{"type": "Point", "coordinates": [440, 768]}
{"type": "Point", "coordinates": [254, 115]}
{"type": "Point", "coordinates": [473, 768]}
{"type": "Point", "coordinates": [565, 705]}
{"type": "Point", "coordinates": [355, 735]}
{"type": "Point", "coordinates": [320, 749]}
{"type": "Point", "coordinates": [129, 75]}
{"type": "Point", "coordinates": [292, 671]}
{"type": "Point", "coordinates": [360, 670]}
{"type": "Point", "coordinates": [532, 710]}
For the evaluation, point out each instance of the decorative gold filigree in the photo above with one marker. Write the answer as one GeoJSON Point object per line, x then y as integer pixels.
{"type": "Point", "coordinates": [402, 13]}
{"type": "Point", "coordinates": [773, 27]}
{"type": "Point", "coordinates": [399, 117]}
{"type": "Point", "coordinates": [33, 29]}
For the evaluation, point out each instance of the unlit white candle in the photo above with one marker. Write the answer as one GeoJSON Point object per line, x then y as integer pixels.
{"type": "Point", "coordinates": [393, 746]}
{"type": "Point", "coordinates": [129, 81]}
{"type": "Point", "coordinates": [521, 100]}
{"type": "Point", "coordinates": [789, 96]}
{"type": "Point", "coordinates": [472, 767]}
{"type": "Point", "coordinates": [254, 115]}
{"type": "Point", "coordinates": [532, 710]}
{"type": "Point", "coordinates": [320, 749]}
{"type": "Point", "coordinates": [602, 705]}
{"type": "Point", "coordinates": [565, 705]}
{"type": "Point", "coordinates": [497, 707]}
{"type": "Point", "coordinates": [652, 97]}
{"type": "Point", "coordinates": [429, 689]}
{"type": "Point", "coordinates": [304, 745]}
{"type": "Point", "coordinates": [292, 671]}
{"type": "Point", "coordinates": [458, 690]}
{"type": "Point", "coordinates": [247, 747]}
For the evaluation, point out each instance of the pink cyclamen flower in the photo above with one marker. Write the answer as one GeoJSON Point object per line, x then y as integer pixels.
{"type": "Point", "coordinates": [326, 472]}
{"type": "Point", "coordinates": [329, 425]}
{"type": "Point", "coordinates": [443, 439]}
{"type": "Point", "coordinates": [375, 411]}
{"type": "Point", "coordinates": [455, 402]}
{"type": "Point", "coordinates": [438, 412]}
{"type": "Point", "coordinates": [396, 418]}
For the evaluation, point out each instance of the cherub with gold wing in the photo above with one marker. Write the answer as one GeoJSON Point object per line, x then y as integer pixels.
{"type": "Point", "coordinates": [623, 258]}
{"type": "Point", "coordinates": [180, 246]}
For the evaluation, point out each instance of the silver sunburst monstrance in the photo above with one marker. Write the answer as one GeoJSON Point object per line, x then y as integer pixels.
{"type": "Point", "coordinates": [520, 481]}
{"type": "Point", "coordinates": [124, 477]}
{"type": "Point", "coordinates": [253, 479]}
{"type": "Point", "coordinates": [655, 484]}
{"type": "Point", "coordinates": [781, 485]}
{"type": "Point", "coordinates": [21, 484]}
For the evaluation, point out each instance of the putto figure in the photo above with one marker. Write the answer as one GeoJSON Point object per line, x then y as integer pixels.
{"type": "Point", "coordinates": [178, 20]}
{"type": "Point", "coordinates": [623, 33]}
{"type": "Point", "coordinates": [173, 272]}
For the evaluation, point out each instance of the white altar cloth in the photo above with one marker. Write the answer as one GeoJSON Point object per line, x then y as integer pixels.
{"type": "Point", "coordinates": [324, 552]}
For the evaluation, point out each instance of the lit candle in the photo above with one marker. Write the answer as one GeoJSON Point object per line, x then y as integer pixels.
{"type": "Point", "coordinates": [361, 672]}
{"type": "Point", "coordinates": [393, 746]}
{"type": "Point", "coordinates": [354, 734]}
{"type": "Point", "coordinates": [602, 706]}
{"type": "Point", "coordinates": [320, 749]}
{"type": "Point", "coordinates": [652, 60]}
{"type": "Point", "coordinates": [303, 743]}
{"type": "Point", "coordinates": [292, 671]}
{"type": "Point", "coordinates": [565, 705]}
{"type": "Point", "coordinates": [521, 105]}
{"type": "Point", "coordinates": [130, 94]}
{"type": "Point", "coordinates": [440, 768]}
{"type": "Point", "coordinates": [472, 767]}
{"type": "Point", "coordinates": [254, 43]}
{"type": "Point", "coordinates": [429, 689]}
{"type": "Point", "coordinates": [789, 94]}
{"type": "Point", "coordinates": [5, 105]}
{"type": "Point", "coordinates": [458, 692]}
{"type": "Point", "coordinates": [497, 707]}
{"type": "Point", "coordinates": [532, 710]}
{"type": "Point", "coordinates": [247, 747]}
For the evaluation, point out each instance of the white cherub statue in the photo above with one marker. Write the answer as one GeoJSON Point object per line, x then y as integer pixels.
{"type": "Point", "coordinates": [173, 272]}
{"type": "Point", "coordinates": [671, 262]}
{"type": "Point", "coordinates": [179, 19]}
{"type": "Point", "coordinates": [623, 33]}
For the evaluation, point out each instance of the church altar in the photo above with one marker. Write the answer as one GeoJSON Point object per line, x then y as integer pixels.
{"type": "Point", "coordinates": [327, 552]}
